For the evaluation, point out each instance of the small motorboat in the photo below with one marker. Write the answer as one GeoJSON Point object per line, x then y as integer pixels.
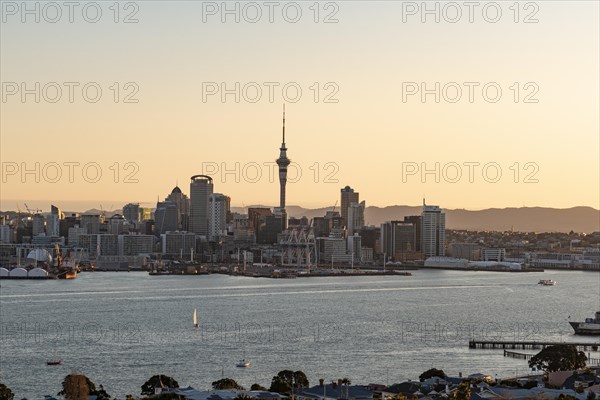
{"type": "Point", "coordinates": [243, 364]}
{"type": "Point", "coordinates": [547, 282]}
{"type": "Point", "coordinates": [57, 362]}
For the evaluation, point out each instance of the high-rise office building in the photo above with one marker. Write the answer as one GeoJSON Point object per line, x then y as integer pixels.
{"type": "Point", "coordinates": [201, 187]}
{"type": "Point", "coordinates": [348, 196]}
{"type": "Point", "coordinates": [400, 239]}
{"type": "Point", "coordinates": [38, 223]}
{"type": "Point", "coordinates": [433, 231]}
{"type": "Point", "coordinates": [53, 227]}
{"type": "Point", "coordinates": [283, 162]}
{"type": "Point", "coordinates": [165, 217]}
{"type": "Point", "coordinates": [356, 217]}
{"type": "Point", "coordinates": [183, 207]}
{"type": "Point", "coordinates": [91, 222]}
{"type": "Point", "coordinates": [217, 206]}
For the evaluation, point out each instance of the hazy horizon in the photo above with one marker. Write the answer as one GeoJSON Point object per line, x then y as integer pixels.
{"type": "Point", "coordinates": [539, 141]}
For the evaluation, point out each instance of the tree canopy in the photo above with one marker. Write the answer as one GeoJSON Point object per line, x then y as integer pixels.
{"type": "Point", "coordinates": [158, 381]}
{"type": "Point", "coordinates": [285, 380]}
{"type": "Point", "coordinates": [256, 386]}
{"type": "Point", "coordinates": [226, 383]}
{"type": "Point", "coordinates": [6, 393]}
{"type": "Point", "coordinates": [560, 357]}
{"type": "Point", "coordinates": [78, 386]}
{"type": "Point", "coordinates": [430, 373]}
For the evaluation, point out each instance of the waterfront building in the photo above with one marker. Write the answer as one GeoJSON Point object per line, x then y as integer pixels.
{"type": "Point", "coordinates": [493, 254]}
{"type": "Point", "coordinates": [135, 245]}
{"type": "Point", "coordinates": [332, 249]}
{"type": "Point", "coordinates": [347, 197]}
{"type": "Point", "coordinates": [433, 232]}
{"type": "Point", "coordinates": [178, 244]}
{"type": "Point", "coordinates": [467, 251]}
{"type": "Point", "coordinates": [399, 240]}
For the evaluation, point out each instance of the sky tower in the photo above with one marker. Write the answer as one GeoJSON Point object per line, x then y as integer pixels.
{"type": "Point", "coordinates": [283, 163]}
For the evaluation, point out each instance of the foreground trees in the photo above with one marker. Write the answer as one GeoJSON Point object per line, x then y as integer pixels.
{"type": "Point", "coordinates": [6, 393]}
{"type": "Point", "coordinates": [77, 386]}
{"type": "Point", "coordinates": [285, 380]}
{"type": "Point", "coordinates": [226, 383]}
{"type": "Point", "coordinates": [158, 381]}
{"type": "Point", "coordinates": [430, 373]}
{"type": "Point", "coordinates": [560, 357]}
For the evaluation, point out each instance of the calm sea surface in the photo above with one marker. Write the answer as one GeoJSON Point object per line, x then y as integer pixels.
{"type": "Point", "coordinates": [121, 328]}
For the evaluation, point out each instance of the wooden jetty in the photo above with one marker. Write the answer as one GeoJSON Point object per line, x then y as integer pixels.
{"type": "Point", "coordinates": [499, 344]}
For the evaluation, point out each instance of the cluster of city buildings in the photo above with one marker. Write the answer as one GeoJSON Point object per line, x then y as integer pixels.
{"type": "Point", "coordinates": [202, 228]}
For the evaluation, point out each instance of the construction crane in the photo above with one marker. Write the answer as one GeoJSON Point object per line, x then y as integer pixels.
{"type": "Point", "coordinates": [333, 209]}
{"type": "Point", "coordinates": [32, 210]}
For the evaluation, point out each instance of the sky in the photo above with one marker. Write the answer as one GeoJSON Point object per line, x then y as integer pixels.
{"type": "Point", "coordinates": [494, 106]}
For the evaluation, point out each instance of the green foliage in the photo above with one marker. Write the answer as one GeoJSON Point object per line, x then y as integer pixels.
{"type": "Point", "coordinates": [430, 373]}
{"type": "Point", "coordinates": [285, 380]}
{"type": "Point", "coordinates": [560, 357]}
{"type": "Point", "coordinates": [76, 386]}
{"type": "Point", "coordinates": [226, 383]}
{"type": "Point", "coordinates": [256, 386]}
{"type": "Point", "coordinates": [462, 393]}
{"type": "Point", "coordinates": [6, 393]}
{"type": "Point", "coordinates": [148, 388]}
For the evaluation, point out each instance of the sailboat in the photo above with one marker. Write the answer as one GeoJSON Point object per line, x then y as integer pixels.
{"type": "Point", "coordinates": [195, 320]}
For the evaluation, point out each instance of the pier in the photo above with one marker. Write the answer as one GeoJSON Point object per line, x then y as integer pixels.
{"type": "Point", "coordinates": [525, 356]}
{"type": "Point", "coordinates": [499, 344]}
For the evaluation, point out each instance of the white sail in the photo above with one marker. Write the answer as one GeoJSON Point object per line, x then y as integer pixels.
{"type": "Point", "coordinates": [195, 318]}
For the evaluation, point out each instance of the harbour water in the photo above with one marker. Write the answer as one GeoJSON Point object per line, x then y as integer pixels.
{"type": "Point", "coordinates": [121, 328]}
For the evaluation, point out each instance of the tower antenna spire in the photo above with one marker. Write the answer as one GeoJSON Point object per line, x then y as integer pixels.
{"type": "Point", "coordinates": [284, 123]}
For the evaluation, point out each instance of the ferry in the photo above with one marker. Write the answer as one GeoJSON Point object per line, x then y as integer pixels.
{"type": "Point", "coordinates": [590, 327]}
{"type": "Point", "coordinates": [547, 282]}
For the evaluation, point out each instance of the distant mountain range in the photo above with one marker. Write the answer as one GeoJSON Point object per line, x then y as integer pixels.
{"type": "Point", "coordinates": [524, 219]}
